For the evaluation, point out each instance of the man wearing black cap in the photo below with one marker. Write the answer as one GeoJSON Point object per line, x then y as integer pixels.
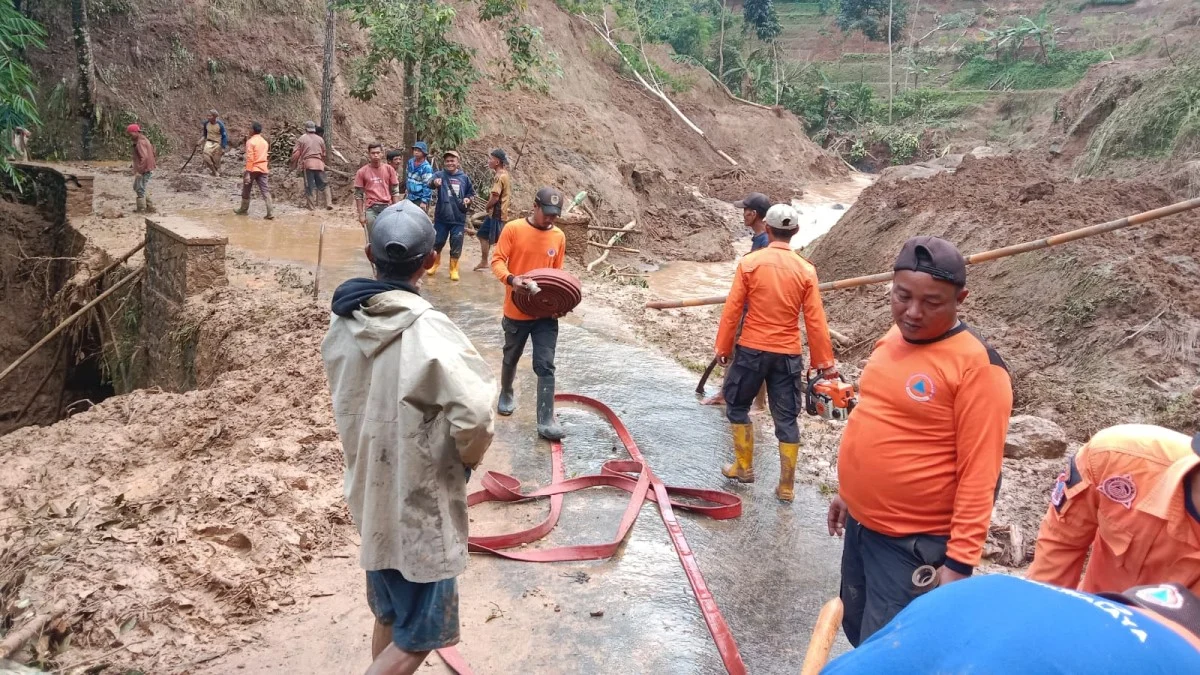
{"type": "Point", "coordinates": [754, 213]}
{"type": "Point", "coordinates": [412, 402]}
{"type": "Point", "coordinates": [497, 207]}
{"type": "Point", "coordinates": [919, 463]}
{"type": "Point", "coordinates": [528, 244]}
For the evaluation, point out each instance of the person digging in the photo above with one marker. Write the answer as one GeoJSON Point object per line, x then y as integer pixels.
{"type": "Point", "coordinates": [524, 245]}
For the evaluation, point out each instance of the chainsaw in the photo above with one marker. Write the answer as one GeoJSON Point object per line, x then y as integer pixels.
{"type": "Point", "coordinates": [828, 399]}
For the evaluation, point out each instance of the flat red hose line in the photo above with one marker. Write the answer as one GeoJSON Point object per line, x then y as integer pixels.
{"type": "Point", "coordinates": [560, 293]}
{"type": "Point", "coordinates": [646, 486]}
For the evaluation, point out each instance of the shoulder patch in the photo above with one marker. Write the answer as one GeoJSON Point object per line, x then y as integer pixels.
{"type": "Point", "coordinates": [1067, 479]}
{"type": "Point", "coordinates": [994, 357]}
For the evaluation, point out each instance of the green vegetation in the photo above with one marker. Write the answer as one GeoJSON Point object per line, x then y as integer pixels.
{"type": "Point", "coordinates": [1161, 119]}
{"type": "Point", "coordinates": [278, 85]}
{"type": "Point", "coordinates": [1061, 69]}
{"type": "Point", "coordinates": [17, 104]}
{"type": "Point", "coordinates": [871, 17]}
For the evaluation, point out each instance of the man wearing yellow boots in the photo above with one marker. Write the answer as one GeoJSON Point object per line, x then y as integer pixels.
{"type": "Point", "coordinates": [774, 287]}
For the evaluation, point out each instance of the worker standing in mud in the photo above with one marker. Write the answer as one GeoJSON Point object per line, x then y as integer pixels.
{"type": "Point", "coordinates": [454, 195]}
{"type": "Point", "coordinates": [919, 462]}
{"type": "Point", "coordinates": [1003, 624]}
{"type": "Point", "coordinates": [143, 166]}
{"type": "Point", "coordinates": [213, 142]}
{"type": "Point", "coordinates": [309, 156]}
{"type": "Point", "coordinates": [1125, 512]}
{"type": "Point", "coordinates": [257, 171]}
{"type": "Point", "coordinates": [412, 403]}
{"type": "Point", "coordinates": [418, 176]}
{"type": "Point", "coordinates": [376, 186]}
{"type": "Point", "coordinates": [772, 288]}
{"type": "Point", "coordinates": [497, 207]}
{"type": "Point", "coordinates": [525, 245]}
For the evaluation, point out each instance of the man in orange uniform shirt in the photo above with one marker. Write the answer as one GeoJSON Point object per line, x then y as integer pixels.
{"type": "Point", "coordinates": [920, 458]}
{"type": "Point", "coordinates": [256, 172]}
{"type": "Point", "coordinates": [528, 244]}
{"type": "Point", "coordinates": [773, 287]}
{"type": "Point", "coordinates": [1129, 497]}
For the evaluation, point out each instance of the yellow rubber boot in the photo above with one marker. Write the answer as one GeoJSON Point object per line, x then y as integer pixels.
{"type": "Point", "coordinates": [437, 261]}
{"type": "Point", "coordinates": [453, 269]}
{"type": "Point", "coordinates": [788, 452]}
{"type": "Point", "coordinates": [742, 468]}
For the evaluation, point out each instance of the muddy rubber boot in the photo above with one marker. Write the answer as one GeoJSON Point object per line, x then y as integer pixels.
{"type": "Point", "coordinates": [437, 261]}
{"type": "Point", "coordinates": [742, 468]}
{"type": "Point", "coordinates": [244, 209]}
{"type": "Point", "coordinates": [150, 206]}
{"type": "Point", "coordinates": [788, 452]}
{"type": "Point", "coordinates": [453, 269]}
{"type": "Point", "coordinates": [328, 199]}
{"type": "Point", "coordinates": [547, 427]}
{"type": "Point", "coordinates": [141, 205]}
{"type": "Point", "coordinates": [310, 201]}
{"type": "Point", "coordinates": [507, 403]}
{"type": "Point", "coordinates": [270, 208]}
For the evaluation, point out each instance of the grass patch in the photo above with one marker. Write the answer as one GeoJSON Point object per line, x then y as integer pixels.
{"type": "Point", "coordinates": [1063, 69]}
{"type": "Point", "coordinates": [1161, 119]}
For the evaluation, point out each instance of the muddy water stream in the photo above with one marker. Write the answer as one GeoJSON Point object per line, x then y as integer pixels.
{"type": "Point", "coordinates": [769, 570]}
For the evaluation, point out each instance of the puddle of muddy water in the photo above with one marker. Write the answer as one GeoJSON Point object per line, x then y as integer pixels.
{"type": "Point", "coordinates": [770, 570]}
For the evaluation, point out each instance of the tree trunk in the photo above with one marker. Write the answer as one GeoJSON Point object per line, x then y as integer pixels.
{"type": "Point", "coordinates": [87, 70]}
{"type": "Point", "coordinates": [327, 77]}
{"type": "Point", "coordinates": [891, 86]}
{"type": "Point", "coordinates": [410, 108]}
{"type": "Point", "coordinates": [721, 43]}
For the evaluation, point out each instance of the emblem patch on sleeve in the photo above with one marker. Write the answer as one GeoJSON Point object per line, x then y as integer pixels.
{"type": "Point", "coordinates": [1059, 494]}
{"type": "Point", "coordinates": [1120, 489]}
{"type": "Point", "coordinates": [1164, 596]}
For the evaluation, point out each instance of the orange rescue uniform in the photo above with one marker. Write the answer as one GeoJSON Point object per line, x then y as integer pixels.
{"type": "Point", "coordinates": [773, 287]}
{"type": "Point", "coordinates": [922, 452]}
{"type": "Point", "coordinates": [521, 249]}
{"type": "Point", "coordinates": [256, 154]}
{"type": "Point", "coordinates": [1122, 498]}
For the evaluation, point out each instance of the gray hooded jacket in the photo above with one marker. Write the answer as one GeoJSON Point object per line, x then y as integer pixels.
{"type": "Point", "coordinates": [413, 403]}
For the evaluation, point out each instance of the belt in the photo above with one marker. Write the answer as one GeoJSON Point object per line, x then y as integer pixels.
{"type": "Point", "coordinates": [631, 475]}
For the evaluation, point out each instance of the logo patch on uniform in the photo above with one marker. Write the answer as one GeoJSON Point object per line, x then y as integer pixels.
{"type": "Point", "coordinates": [552, 252]}
{"type": "Point", "coordinates": [919, 388]}
{"type": "Point", "coordinates": [1059, 493]}
{"type": "Point", "coordinates": [1163, 596]}
{"type": "Point", "coordinates": [554, 200]}
{"type": "Point", "coordinates": [1120, 489]}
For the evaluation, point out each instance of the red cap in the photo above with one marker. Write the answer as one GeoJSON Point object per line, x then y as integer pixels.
{"type": "Point", "coordinates": [133, 129]}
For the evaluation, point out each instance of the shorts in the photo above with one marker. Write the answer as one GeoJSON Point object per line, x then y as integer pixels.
{"type": "Point", "coordinates": [423, 617]}
{"type": "Point", "coordinates": [490, 230]}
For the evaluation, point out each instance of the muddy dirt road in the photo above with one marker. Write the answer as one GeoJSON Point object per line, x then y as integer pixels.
{"type": "Point", "coordinates": [769, 570]}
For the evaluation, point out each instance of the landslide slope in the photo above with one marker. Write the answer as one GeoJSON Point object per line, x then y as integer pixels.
{"type": "Point", "coordinates": [1096, 332]}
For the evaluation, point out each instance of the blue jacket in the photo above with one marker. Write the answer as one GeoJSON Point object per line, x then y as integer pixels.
{"type": "Point", "coordinates": [417, 181]}
{"type": "Point", "coordinates": [454, 189]}
{"type": "Point", "coordinates": [1003, 624]}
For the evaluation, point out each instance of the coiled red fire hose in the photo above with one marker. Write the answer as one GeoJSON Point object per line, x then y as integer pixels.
{"type": "Point", "coordinates": [633, 476]}
{"type": "Point", "coordinates": [559, 292]}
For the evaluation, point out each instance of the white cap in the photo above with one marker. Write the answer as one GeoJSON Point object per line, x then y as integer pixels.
{"type": "Point", "coordinates": [783, 217]}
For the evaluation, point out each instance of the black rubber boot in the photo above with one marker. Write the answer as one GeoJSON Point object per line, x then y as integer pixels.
{"type": "Point", "coordinates": [547, 426]}
{"type": "Point", "coordinates": [506, 404]}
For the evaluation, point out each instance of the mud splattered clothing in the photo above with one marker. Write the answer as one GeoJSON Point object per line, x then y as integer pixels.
{"type": "Point", "coordinates": [412, 402]}
{"type": "Point", "coordinates": [522, 248]}
{"type": "Point", "coordinates": [997, 624]}
{"type": "Point", "coordinates": [1121, 507]}
{"type": "Point", "coordinates": [422, 617]}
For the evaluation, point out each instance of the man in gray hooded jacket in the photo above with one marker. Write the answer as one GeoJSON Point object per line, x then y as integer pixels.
{"type": "Point", "coordinates": [412, 401]}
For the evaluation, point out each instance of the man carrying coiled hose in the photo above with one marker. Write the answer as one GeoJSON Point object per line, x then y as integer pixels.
{"type": "Point", "coordinates": [527, 244]}
{"type": "Point", "coordinates": [772, 288]}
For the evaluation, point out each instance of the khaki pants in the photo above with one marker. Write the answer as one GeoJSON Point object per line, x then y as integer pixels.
{"type": "Point", "coordinates": [212, 156]}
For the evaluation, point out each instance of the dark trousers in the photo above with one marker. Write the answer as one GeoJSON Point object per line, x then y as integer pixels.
{"type": "Point", "coordinates": [314, 181]}
{"type": "Point", "coordinates": [545, 339]}
{"type": "Point", "coordinates": [877, 576]}
{"type": "Point", "coordinates": [453, 233]}
{"type": "Point", "coordinates": [745, 376]}
{"type": "Point", "coordinates": [252, 178]}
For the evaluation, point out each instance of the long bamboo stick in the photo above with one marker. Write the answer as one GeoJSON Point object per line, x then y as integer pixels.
{"type": "Point", "coordinates": [70, 320]}
{"type": "Point", "coordinates": [113, 265]}
{"type": "Point", "coordinates": [823, 636]}
{"type": "Point", "coordinates": [1025, 247]}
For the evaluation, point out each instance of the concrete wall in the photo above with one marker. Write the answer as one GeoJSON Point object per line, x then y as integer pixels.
{"type": "Point", "coordinates": [183, 259]}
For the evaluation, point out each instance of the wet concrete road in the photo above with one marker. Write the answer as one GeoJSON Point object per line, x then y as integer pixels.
{"type": "Point", "coordinates": [769, 570]}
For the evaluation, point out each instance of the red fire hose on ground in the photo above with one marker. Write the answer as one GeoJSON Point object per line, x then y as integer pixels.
{"type": "Point", "coordinates": [632, 475]}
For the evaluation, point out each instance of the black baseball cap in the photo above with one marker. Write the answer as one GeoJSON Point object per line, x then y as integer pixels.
{"type": "Point", "coordinates": [936, 257]}
{"type": "Point", "coordinates": [757, 201]}
{"type": "Point", "coordinates": [550, 200]}
{"type": "Point", "coordinates": [402, 233]}
{"type": "Point", "coordinates": [499, 154]}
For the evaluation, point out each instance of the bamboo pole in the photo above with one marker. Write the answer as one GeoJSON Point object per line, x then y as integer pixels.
{"type": "Point", "coordinates": [611, 241]}
{"type": "Point", "coordinates": [70, 320]}
{"type": "Point", "coordinates": [114, 264]}
{"type": "Point", "coordinates": [824, 633]}
{"type": "Point", "coordinates": [984, 256]}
